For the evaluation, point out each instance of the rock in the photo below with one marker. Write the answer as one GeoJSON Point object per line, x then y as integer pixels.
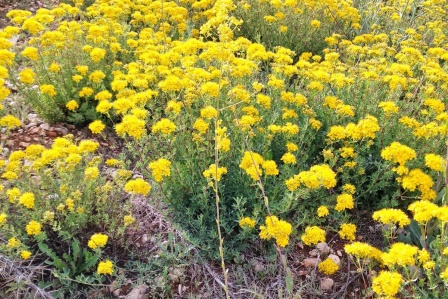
{"type": "Point", "coordinates": [34, 130]}
{"type": "Point", "coordinates": [24, 144]}
{"type": "Point", "coordinates": [46, 127]}
{"type": "Point", "coordinates": [326, 284]}
{"type": "Point", "coordinates": [323, 248]}
{"type": "Point", "coordinates": [62, 130]}
{"type": "Point", "coordinates": [139, 292]}
{"type": "Point", "coordinates": [314, 253]}
{"type": "Point", "coordinates": [52, 134]}
{"type": "Point", "coordinates": [335, 258]}
{"type": "Point", "coordinates": [339, 253]}
{"type": "Point", "coordinates": [145, 238]}
{"type": "Point", "coordinates": [27, 139]}
{"type": "Point", "coordinates": [310, 262]}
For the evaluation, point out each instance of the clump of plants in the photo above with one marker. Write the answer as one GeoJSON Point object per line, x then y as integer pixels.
{"type": "Point", "coordinates": [246, 136]}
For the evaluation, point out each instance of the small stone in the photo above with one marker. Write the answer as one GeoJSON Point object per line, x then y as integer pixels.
{"type": "Point", "coordinates": [303, 273]}
{"type": "Point", "coordinates": [34, 130]}
{"type": "Point", "coordinates": [326, 284]}
{"type": "Point", "coordinates": [145, 238]}
{"type": "Point", "coordinates": [310, 262]}
{"type": "Point", "coordinates": [27, 139]}
{"type": "Point", "coordinates": [323, 248]}
{"type": "Point", "coordinates": [46, 127]}
{"type": "Point", "coordinates": [335, 258]}
{"type": "Point", "coordinates": [314, 253]}
{"type": "Point", "coordinates": [117, 293]}
{"type": "Point", "coordinates": [52, 134]}
{"type": "Point", "coordinates": [339, 253]}
{"type": "Point", "coordinates": [62, 130]}
{"type": "Point", "coordinates": [24, 144]}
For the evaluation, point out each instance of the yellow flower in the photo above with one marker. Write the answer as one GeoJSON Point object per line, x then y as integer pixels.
{"type": "Point", "coordinates": [444, 274]}
{"type": "Point", "coordinates": [27, 199]}
{"type": "Point", "coordinates": [160, 168]}
{"type": "Point", "coordinates": [3, 218]}
{"type": "Point", "coordinates": [31, 53]}
{"type": "Point", "coordinates": [97, 54]}
{"type": "Point", "coordinates": [105, 267]}
{"type": "Point", "coordinates": [91, 173]}
{"type": "Point", "coordinates": [387, 283]}
{"type": "Point", "coordinates": [391, 216]}
{"type": "Point", "coordinates": [97, 241]}
{"type": "Point", "coordinates": [97, 76]}
{"type": "Point", "coordinates": [277, 229]}
{"type": "Point", "coordinates": [247, 222]}
{"type": "Point", "coordinates": [251, 163]}
{"type": "Point", "coordinates": [347, 231]}
{"type": "Point", "coordinates": [97, 126]}
{"type": "Point", "coordinates": [322, 211]}
{"type": "Point", "coordinates": [137, 186]}
{"type": "Point", "coordinates": [27, 76]}
{"type": "Point", "coordinates": [48, 89]}
{"type": "Point", "coordinates": [328, 266]}
{"type": "Point", "coordinates": [13, 243]}
{"type": "Point", "coordinates": [10, 121]}
{"type": "Point", "coordinates": [33, 228]}
{"type": "Point", "coordinates": [363, 250]}
{"type": "Point", "coordinates": [54, 67]}
{"type": "Point", "coordinates": [423, 210]}
{"type": "Point", "coordinates": [214, 173]}
{"type": "Point", "coordinates": [270, 167]}
{"type": "Point", "coordinates": [25, 254]}
{"type": "Point", "coordinates": [128, 220]}
{"type": "Point", "coordinates": [400, 254]}
{"type": "Point", "coordinates": [344, 201]}
{"type": "Point", "coordinates": [388, 107]}
{"type": "Point", "coordinates": [435, 162]}
{"type": "Point", "coordinates": [349, 188]}
{"type": "Point", "coordinates": [209, 112]}
{"type": "Point", "coordinates": [313, 235]}
{"type": "Point", "coordinates": [315, 24]}
{"type": "Point", "coordinates": [289, 158]}
{"type": "Point", "coordinates": [398, 153]}
{"type": "Point", "coordinates": [164, 126]}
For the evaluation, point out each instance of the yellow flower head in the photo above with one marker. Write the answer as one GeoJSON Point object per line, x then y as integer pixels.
{"type": "Point", "coordinates": [160, 168]}
{"type": "Point", "coordinates": [277, 229]}
{"type": "Point", "coordinates": [97, 241]}
{"type": "Point", "coordinates": [313, 235]}
{"type": "Point", "coordinates": [322, 211]}
{"type": "Point", "coordinates": [25, 254]}
{"type": "Point", "coordinates": [33, 228]}
{"type": "Point", "coordinates": [328, 266]}
{"type": "Point", "coordinates": [247, 222]}
{"type": "Point", "coordinates": [137, 186]}
{"type": "Point", "coordinates": [387, 283]}
{"type": "Point", "coordinates": [348, 231]}
{"type": "Point", "coordinates": [105, 267]}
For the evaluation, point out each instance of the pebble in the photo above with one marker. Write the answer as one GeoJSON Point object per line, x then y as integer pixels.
{"type": "Point", "coordinates": [326, 284]}
{"type": "Point", "coordinates": [310, 262]}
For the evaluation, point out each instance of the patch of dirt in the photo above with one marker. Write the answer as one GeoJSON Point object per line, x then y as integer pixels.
{"type": "Point", "coordinates": [31, 5]}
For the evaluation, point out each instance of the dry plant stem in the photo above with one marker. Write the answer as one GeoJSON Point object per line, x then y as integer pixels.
{"type": "Point", "coordinates": [218, 219]}
{"type": "Point", "coordinates": [20, 276]}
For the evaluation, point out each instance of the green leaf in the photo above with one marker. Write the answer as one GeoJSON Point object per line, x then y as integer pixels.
{"type": "Point", "coordinates": [89, 262]}
{"type": "Point", "coordinates": [56, 261]}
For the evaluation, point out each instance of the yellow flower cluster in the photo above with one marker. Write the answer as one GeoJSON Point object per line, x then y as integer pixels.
{"type": "Point", "coordinates": [247, 222]}
{"type": "Point", "coordinates": [391, 216]}
{"type": "Point", "coordinates": [97, 241]}
{"type": "Point", "coordinates": [317, 176]}
{"type": "Point", "coordinates": [328, 266]}
{"type": "Point", "coordinates": [277, 229]}
{"type": "Point", "coordinates": [137, 186]}
{"type": "Point", "coordinates": [160, 168]}
{"type": "Point", "coordinates": [313, 235]}
{"type": "Point", "coordinates": [105, 267]}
